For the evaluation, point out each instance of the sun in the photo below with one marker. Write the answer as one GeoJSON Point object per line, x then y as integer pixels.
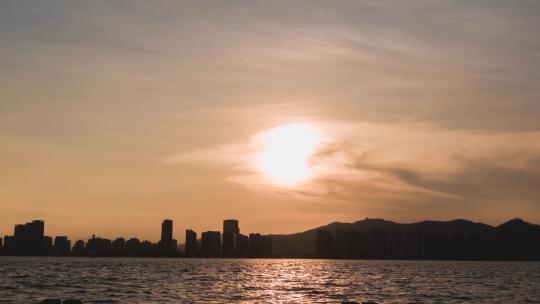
{"type": "Point", "coordinates": [285, 158]}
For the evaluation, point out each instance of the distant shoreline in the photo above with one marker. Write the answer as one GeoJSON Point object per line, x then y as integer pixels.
{"type": "Point", "coordinates": [262, 258]}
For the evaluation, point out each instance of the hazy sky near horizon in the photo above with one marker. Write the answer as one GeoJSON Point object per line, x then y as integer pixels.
{"type": "Point", "coordinates": [117, 114]}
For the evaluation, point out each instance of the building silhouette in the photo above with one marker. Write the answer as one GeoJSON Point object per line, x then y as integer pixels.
{"type": "Point", "coordinates": [167, 236]}
{"type": "Point", "coordinates": [27, 239]}
{"type": "Point", "coordinates": [78, 248]}
{"type": "Point", "coordinates": [36, 232]}
{"type": "Point", "coordinates": [341, 248]}
{"type": "Point", "coordinates": [97, 246]}
{"type": "Point", "coordinates": [133, 247]}
{"type": "Point", "coordinates": [255, 245]}
{"type": "Point", "coordinates": [210, 244]}
{"type": "Point", "coordinates": [191, 243]}
{"type": "Point", "coordinates": [62, 246]}
{"type": "Point", "coordinates": [379, 243]}
{"type": "Point", "coordinates": [118, 247]}
{"type": "Point", "coordinates": [231, 226]}
{"type": "Point", "coordinates": [48, 248]}
{"type": "Point", "coordinates": [414, 245]}
{"type": "Point", "coordinates": [324, 243]}
{"type": "Point", "coordinates": [231, 233]}
{"type": "Point", "coordinates": [8, 245]}
{"type": "Point", "coordinates": [267, 246]}
{"type": "Point", "coordinates": [241, 249]}
{"type": "Point", "coordinates": [376, 239]}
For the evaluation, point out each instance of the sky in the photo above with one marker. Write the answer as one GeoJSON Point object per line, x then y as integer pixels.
{"type": "Point", "coordinates": [117, 114]}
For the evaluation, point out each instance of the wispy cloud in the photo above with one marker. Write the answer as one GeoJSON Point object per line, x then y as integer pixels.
{"type": "Point", "coordinates": [388, 165]}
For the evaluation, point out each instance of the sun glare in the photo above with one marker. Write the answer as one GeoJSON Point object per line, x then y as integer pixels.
{"type": "Point", "coordinates": [285, 158]}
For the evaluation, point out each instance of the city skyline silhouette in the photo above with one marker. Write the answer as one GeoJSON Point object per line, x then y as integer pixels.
{"type": "Point", "coordinates": [367, 239]}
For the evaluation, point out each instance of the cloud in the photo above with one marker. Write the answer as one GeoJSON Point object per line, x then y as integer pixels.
{"type": "Point", "coordinates": [480, 179]}
{"type": "Point", "coordinates": [387, 167]}
{"type": "Point", "coordinates": [425, 103]}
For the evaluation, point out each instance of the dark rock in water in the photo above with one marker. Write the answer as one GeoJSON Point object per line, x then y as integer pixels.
{"type": "Point", "coordinates": [369, 302]}
{"type": "Point", "coordinates": [51, 301]}
{"type": "Point", "coordinates": [72, 302]}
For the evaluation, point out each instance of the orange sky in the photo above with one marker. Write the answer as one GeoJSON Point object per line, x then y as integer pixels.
{"type": "Point", "coordinates": [114, 116]}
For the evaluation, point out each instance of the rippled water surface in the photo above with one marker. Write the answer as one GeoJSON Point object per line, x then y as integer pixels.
{"type": "Point", "coordinates": [116, 280]}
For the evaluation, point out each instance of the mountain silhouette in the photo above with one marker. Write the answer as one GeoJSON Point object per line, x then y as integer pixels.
{"type": "Point", "coordinates": [455, 239]}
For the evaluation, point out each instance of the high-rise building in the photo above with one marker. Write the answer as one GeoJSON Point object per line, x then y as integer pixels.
{"type": "Point", "coordinates": [210, 243]}
{"type": "Point", "coordinates": [354, 244]}
{"type": "Point", "coordinates": [118, 247]}
{"type": "Point", "coordinates": [36, 233]}
{"type": "Point", "coordinates": [48, 245]}
{"type": "Point", "coordinates": [267, 246]}
{"type": "Point", "coordinates": [231, 226]}
{"type": "Point", "coordinates": [242, 246]}
{"type": "Point", "coordinates": [340, 244]}
{"type": "Point", "coordinates": [167, 235]}
{"type": "Point", "coordinates": [378, 243]}
{"type": "Point", "coordinates": [8, 244]}
{"type": "Point", "coordinates": [19, 239]}
{"type": "Point", "coordinates": [147, 248]}
{"type": "Point", "coordinates": [174, 246]}
{"type": "Point", "coordinates": [231, 231]}
{"type": "Point", "coordinates": [415, 244]}
{"type": "Point", "coordinates": [397, 244]}
{"type": "Point", "coordinates": [133, 247]}
{"type": "Point", "coordinates": [255, 245]}
{"type": "Point", "coordinates": [191, 243]}
{"type": "Point", "coordinates": [78, 248]}
{"type": "Point", "coordinates": [229, 244]}
{"type": "Point", "coordinates": [98, 246]}
{"type": "Point", "coordinates": [28, 238]}
{"type": "Point", "coordinates": [62, 246]}
{"type": "Point", "coordinates": [325, 243]}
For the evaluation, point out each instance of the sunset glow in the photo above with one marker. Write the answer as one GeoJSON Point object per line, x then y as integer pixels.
{"type": "Point", "coordinates": [285, 159]}
{"type": "Point", "coordinates": [284, 114]}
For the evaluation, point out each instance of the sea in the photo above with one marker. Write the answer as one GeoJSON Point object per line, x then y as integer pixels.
{"type": "Point", "coordinates": [156, 280]}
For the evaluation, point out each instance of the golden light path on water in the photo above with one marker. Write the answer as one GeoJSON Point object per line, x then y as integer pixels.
{"type": "Point", "coordinates": [285, 157]}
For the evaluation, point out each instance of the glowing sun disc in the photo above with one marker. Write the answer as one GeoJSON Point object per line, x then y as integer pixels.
{"type": "Point", "coordinates": [285, 159]}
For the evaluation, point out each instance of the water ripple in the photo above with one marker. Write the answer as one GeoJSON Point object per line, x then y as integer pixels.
{"type": "Point", "coordinates": [114, 280]}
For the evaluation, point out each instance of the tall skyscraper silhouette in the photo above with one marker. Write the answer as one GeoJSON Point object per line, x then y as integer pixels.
{"type": "Point", "coordinates": [36, 234]}
{"type": "Point", "coordinates": [78, 248]}
{"type": "Point", "coordinates": [241, 249]}
{"type": "Point", "coordinates": [28, 238]}
{"type": "Point", "coordinates": [210, 243]}
{"type": "Point", "coordinates": [19, 239]}
{"type": "Point", "coordinates": [62, 246]}
{"type": "Point", "coordinates": [255, 245]}
{"type": "Point", "coordinates": [231, 232]}
{"type": "Point", "coordinates": [231, 226]}
{"type": "Point", "coordinates": [191, 242]}
{"type": "Point", "coordinates": [167, 235]}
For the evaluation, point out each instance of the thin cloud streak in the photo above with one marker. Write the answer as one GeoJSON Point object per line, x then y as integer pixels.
{"type": "Point", "coordinates": [384, 164]}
